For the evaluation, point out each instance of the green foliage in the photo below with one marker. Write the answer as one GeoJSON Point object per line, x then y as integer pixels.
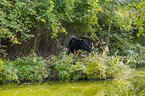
{"type": "Point", "coordinates": [137, 16]}
{"type": "Point", "coordinates": [65, 67]}
{"type": "Point", "coordinates": [1, 63]}
{"type": "Point", "coordinates": [135, 59]}
{"type": "Point", "coordinates": [7, 71]}
{"type": "Point", "coordinates": [127, 26]}
{"type": "Point", "coordinates": [19, 17]}
{"type": "Point", "coordinates": [28, 69]}
{"type": "Point", "coordinates": [100, 66]}
{"type": "Point", "coordinates": [127, 45]}
{"type": "Point", "coordinates": [93, 66]}
{"type": "Point", "coordinates": [76, 10]}
{"type": "Point", "coordinates": [21, 20]}
{"type": "Point", "coordinates": [128, 13]}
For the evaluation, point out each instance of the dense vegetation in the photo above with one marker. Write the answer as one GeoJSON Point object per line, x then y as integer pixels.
{"type": "Point", "coordinates": [64, 67]}
{"type": "Point", "coordinates": [30, 26]}
{"type": "Point", "coordinates": [31, 68]}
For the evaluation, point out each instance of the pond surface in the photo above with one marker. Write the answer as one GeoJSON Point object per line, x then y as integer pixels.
{"type": "Point", "coordinates": [133, 86]}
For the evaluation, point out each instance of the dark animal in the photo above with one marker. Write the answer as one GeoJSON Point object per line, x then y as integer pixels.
{"type": "Point", "coordinates": [76, 44]}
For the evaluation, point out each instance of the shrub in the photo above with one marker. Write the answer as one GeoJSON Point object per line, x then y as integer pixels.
{"type": "Point", "coordinates": [135, 59]}
{"type": "Point", "coordinates": [65, 67]}
{"type": "Point", "coordinates": [98, 66]}
{"type": "Point", "coordinates": [30, 68]}
{"type": "Point", "coordinates": [7, 71]}
{"type": "Point", "coordinates": [92, 66]}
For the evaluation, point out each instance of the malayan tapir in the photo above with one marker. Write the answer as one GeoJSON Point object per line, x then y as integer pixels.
{"type": "Point", "coordinates": [75, 44]}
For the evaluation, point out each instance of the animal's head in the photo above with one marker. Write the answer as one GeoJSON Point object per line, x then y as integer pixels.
{"type": "Point", "coordinates": [85, 46]}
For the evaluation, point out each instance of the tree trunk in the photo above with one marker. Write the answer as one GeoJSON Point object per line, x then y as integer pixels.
{"type": "Point", "coordinates": [110, 20]}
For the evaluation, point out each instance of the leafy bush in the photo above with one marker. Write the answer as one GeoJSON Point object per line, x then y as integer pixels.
{"type": "Point", "coordinates": [7, 71]}
{"type": "Point", "coordinates": [135, 59]}
{"type": "Point", "coordinates": [30, 68]}
{"type": "Point", "coordinates": [128, 46]}
{"type": "Point", "coordinates": [80, 66]}
{"type": "Point", "coordinates": [20, 16]}
{"type": "Point", "coordinates": [27, 69]}
{"type": "Point", "coordinates": [100, 66]}
{"type": "Point", "coordinates": [65, 67]}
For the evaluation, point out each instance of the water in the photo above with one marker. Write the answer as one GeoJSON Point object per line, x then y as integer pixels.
{"type": "Point", "coordinates": [133, 86]}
